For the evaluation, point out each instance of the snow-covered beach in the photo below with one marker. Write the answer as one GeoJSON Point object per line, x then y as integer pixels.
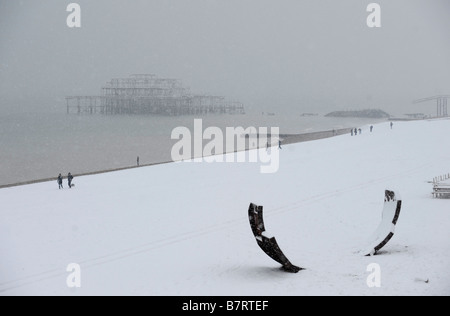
{"type": "Point", "coordinates": [182, 229]}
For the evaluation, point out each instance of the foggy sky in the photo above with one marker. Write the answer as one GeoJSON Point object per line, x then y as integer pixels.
{"type": "Point", "coordinates": [284, 54]}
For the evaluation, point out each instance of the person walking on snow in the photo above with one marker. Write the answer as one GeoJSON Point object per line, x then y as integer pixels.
{"type": "Point", "coordinates": [279, 144]}
{"type": "Point", "coordinates": [392, 125]}
{"type": "Point", "coordinates": [69, 180]}
{"type": "Point", "coordinates": [371, 128]}
{"type": "Point", "coordinates": [60, 182]}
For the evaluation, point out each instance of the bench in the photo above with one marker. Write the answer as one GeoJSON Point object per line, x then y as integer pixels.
{"type": "Point", "coordinates": [441, 191]}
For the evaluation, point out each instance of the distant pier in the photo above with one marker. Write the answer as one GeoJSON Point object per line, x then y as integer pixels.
{"type": "Point", "coordinates": [148, 94]}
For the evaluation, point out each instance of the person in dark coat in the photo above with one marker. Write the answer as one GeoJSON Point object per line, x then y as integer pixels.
{"type": "Point", "coordinates": [60, 181]}
{"type": "Point", "coordinates": [392, 125]}
{"type": "Point", "coordinates": [356, 131]}
{"type": "Point", "coordinates": [371, 128]}
{"type": "Point", "coordinates": [69, 180]}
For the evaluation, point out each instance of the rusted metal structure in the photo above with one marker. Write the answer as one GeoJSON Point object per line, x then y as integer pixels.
{"type": "Point", "coordinates": [148, 94]}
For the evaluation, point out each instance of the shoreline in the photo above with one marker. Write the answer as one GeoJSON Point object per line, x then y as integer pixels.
{"type": "Point", "coordinates": [287, 139]}
{"type": "Point", "coordinates": [5, 186]}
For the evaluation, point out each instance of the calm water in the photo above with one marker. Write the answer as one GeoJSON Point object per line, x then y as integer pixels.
{"type": "Point", "coordinates": [37, 146]}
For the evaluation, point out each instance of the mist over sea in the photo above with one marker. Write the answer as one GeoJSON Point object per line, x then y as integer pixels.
{"type": "Point", "coordinates": [41, 145]}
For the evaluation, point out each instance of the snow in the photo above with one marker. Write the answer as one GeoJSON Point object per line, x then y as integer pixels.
{"type": "Point", "coordinates": [182, 229]}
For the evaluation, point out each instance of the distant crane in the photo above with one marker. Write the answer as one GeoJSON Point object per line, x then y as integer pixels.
{"type": "Point", "coordinates": [442, 101]}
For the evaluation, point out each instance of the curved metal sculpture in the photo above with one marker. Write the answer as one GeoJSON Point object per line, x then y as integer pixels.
{"type": "Point", "coordinates": [268, 244]}
{"type": "Point", "coordinates": [386, 229]}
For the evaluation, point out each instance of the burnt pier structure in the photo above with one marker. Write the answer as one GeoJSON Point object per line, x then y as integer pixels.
{"type": "Point", "coordinates": [149, 94]}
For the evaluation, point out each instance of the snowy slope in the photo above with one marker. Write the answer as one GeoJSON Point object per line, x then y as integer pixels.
{"type": "Point", "coordinates": [182, 229]}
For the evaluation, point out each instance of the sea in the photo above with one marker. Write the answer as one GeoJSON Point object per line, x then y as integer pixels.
{"type": "Point", "coordinates": [41, 145]}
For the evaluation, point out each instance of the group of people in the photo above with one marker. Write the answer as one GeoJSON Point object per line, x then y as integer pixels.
{"type": "Point", "coordinates": [69, 181]}
{"type": "Point", "coordinates": [279, 145]}
{"type": "Point", "coordinates": [355, 131]}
